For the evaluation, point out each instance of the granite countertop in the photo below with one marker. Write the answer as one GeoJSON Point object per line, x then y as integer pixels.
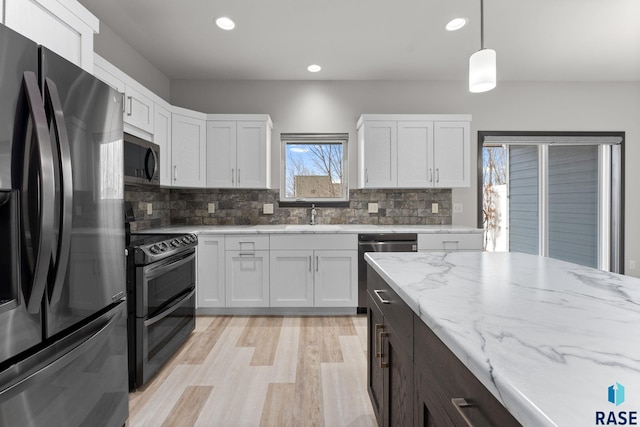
{"type": "Point", "coordinates": [320, 228]}
{"type": "Point", "coordinates": [546, 337]}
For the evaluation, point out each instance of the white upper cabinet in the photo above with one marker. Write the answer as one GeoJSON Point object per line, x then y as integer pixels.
{"type": "Point", "coordinates": [452, 154]}
{"type": "Point", "coordinates": [138, 109]}
{"type": "Point", "coordinates": [239, 151]}
{"type": "Point", "coordinates": [65, 27]}
{"type": "Point", "coordinates": [188, 148]}
{"type": "Point", "coordinates": [380, 157]}
{"type": "Point", "coordinates": [414, 151]}
{"type": "Point", "coordinates": [162, 137]}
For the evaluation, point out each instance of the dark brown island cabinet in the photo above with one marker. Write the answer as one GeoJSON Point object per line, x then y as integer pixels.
{"type": "Point", "coordinates": [413, 378]}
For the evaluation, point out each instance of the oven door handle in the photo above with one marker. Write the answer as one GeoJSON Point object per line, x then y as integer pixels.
{"type": "Point", "coordinates": [158, 270]}
{"type": "Point", "coordinates": [170, 309]}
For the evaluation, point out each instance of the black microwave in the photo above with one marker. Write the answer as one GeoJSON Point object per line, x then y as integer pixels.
{"type": "Point", "coordinates": [141, 161]}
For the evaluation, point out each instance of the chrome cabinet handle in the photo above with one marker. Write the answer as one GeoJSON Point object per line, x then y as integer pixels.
{"type": "Point", "coordinates": [430, 175]}
{"type": "Point", "coordinates": [366, 175]}
{"type": "Point", "coordinates": [378, 350]}
{"type": "Point", "coordinates": [460, 403]}
{"type": "Point", "coordinates": [383, 364]}
{"type": "Point", "coordinates": [238, 175]}
{"type": "Point", "coordinates": [382, 300]}
{"type": "Point", "coordinates": [175, 173]}
{"type": "Point", "coordinates": [130, 112]}
{"type": "Point", "coordinates": [437, 175]}
{"type": "Point", "coordinates": [233, 172]}
{"type": "Point", "coordinates": [310, 262]}
{"type": "Point", "coordinates": [317, 263]}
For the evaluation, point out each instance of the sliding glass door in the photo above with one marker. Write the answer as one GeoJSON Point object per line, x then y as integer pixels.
{"type": "Point", "coordinates": [559, 197]}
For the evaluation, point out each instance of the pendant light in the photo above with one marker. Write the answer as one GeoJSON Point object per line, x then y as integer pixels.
{"type": "Point", "coordinates": [482, 64]}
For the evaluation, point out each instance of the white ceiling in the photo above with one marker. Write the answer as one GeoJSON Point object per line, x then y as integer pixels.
{"type": "Point", "coordinates": [535, 40]}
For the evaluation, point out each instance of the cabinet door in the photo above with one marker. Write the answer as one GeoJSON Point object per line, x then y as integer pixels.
{"type": "Point", "coordinates": [291, 282]}
{"type": "Point", "coordinates": [188, 151]}
{"type": "Point", "coordinates": [452, 154]}
{"type": "Point", "coordinates": [247, 279]}
{"type": "Point", "coordinates": [252, 155]}
{"type": "Point", "coordinates": [415, 151]}
{"type": "Point", "coordinates": [380, 154]}
{"type": "Point", "coordinates": [221, 154]}
{"type": "Point", "coordinates": [375, 377]}
{"type": "Point", "coordinates": [138, 110]}
{"type": "Point", "coordinates": [56, 25]}
{"type": "Point", "coordinates": [336, 278]}
{"type": "Point", "coordinates": [211, 260]}
{"type": "Point", "coordinates": [398, 380]}
{"type": "Point", "coordinates": [162, 137]}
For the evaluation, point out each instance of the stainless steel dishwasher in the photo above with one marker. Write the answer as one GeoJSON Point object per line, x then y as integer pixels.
{"type": "Point", "coordinates": [379, 242]}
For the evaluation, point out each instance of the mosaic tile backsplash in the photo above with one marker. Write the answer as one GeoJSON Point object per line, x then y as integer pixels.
{"type": "Point", "coordinates": [245, 207]}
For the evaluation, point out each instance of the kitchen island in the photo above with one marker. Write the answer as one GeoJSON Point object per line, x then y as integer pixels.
{"type": "Point", "coordinates": [552, 342]}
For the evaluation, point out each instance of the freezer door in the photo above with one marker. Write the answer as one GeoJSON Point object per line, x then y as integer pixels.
{"type": "Point", "coordinates": [80, 380]}
{"type": "Point", "coordinates": [19, 148]}
{"type": "Point", "coordinates": [85, 121]}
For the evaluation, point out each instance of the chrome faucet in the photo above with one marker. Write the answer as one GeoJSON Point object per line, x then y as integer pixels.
{"type": "Point", "coordinates": [314, 212]}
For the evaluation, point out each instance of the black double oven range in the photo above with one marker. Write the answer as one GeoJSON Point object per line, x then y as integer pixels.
{"type": "Point", "coordinates": [161, 277]}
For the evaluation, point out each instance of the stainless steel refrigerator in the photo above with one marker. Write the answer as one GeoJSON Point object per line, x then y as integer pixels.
{"type": "Point", "coordinates": [63, 355]}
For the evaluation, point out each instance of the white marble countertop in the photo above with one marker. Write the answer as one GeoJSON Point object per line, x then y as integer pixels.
{"type": "Point", "coordinates": [546, 337]}
{"type": "Point", "coordinates": [319, 228]}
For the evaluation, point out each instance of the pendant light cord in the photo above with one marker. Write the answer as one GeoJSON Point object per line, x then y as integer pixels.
{"type": "Point", "coordinates": [481, 24]}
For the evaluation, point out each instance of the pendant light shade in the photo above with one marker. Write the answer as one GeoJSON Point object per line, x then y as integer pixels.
{"type": "Point", "coordinates": [482, 64]}
{"type": "Point", "coordinates": [482, 71]}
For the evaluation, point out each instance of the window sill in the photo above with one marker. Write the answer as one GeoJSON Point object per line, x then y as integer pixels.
{"type": "Point", "coordinates": [307, 204]}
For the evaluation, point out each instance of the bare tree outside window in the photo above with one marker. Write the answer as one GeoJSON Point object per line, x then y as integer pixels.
{"type": "Point", "coordinates": [314, 170]}
{"type": "Point", "coordinates": [494, 195]}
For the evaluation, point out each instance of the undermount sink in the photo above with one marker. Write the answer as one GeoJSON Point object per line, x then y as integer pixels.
{"type": "Point", "coordinates": [309, 227]}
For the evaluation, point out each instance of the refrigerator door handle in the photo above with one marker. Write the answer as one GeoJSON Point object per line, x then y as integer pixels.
{"type": "Point", "coordinates": [66, 188]}
{"type": "Point", "coordinates": [43, 236]}
{"type": "Point", "coordinates": [20, 377]}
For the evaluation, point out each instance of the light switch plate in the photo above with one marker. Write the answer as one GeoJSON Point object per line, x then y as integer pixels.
{"type": "Point", "coordinates": [149, 208]}
{"type": "Point", "coordinates": [457, 208]}
{"type": "Point", "coordinates": [267, 209]}
{"type": "Point", "coordinates": [434, 208]}
{"type": "Point", "coordinates": [211, 208]}
{"type": "Point", "coordinates": [373, 208]}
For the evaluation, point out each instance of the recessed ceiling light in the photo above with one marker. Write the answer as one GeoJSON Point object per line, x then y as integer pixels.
{"type": "Point", "coordinates": [314, 68]}
{"type": "Point", "coordinates": [456, 24]}
{"type": "Point", "coordinates": [225, 23]}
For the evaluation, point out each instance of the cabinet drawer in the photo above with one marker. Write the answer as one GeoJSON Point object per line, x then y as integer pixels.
{"type": "Point", "coordinates": [396, 312]}
{"type": "Point", "coordinates": [449, 379]}
{"type": "Point", "coordinates": [314, 241]}
{"type": "Point", "coordinates": [247, 243]}
{"type": "Point", "coordinates": [450, 242]}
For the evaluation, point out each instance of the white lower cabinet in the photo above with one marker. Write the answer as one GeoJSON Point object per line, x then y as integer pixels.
{"type": "Point", "coordinates": [292, 278]}
{"type": "Point", "coordinates": [449, 242]}
{"type": "Point", "coordinates": [211, 271]}
{"type": "Point", "coordinates": [247, 278]}
{"type": "Point", "coordinates": [314, 270]}
{"type": "Point", "coordinates": [336, 278]}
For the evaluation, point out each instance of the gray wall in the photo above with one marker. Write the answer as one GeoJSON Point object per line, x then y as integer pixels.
{"type": "Point", "coordinates": [114, 49]}
{"type": "Point", "coordinates": [319, 106]}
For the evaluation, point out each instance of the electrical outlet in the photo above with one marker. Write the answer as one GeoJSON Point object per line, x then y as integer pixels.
{"type": "Point", "coordinates": [632, 264]}
{"type": "Point", "coordinates": [211, 208]}
{"type": "Point", "coordinates": [373, 208]}
{"type": "Point", "coordinates": [434, 208]}
{"type": "Point", "coordinates": [149, 208]}
{"type": "Point", "coordinates": [457, 208]}
{"type": "Point", "coordinates": [267, 209]}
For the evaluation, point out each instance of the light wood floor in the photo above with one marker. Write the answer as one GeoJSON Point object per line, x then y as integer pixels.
{"type": "Point", "coordinates": [262, 371]}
